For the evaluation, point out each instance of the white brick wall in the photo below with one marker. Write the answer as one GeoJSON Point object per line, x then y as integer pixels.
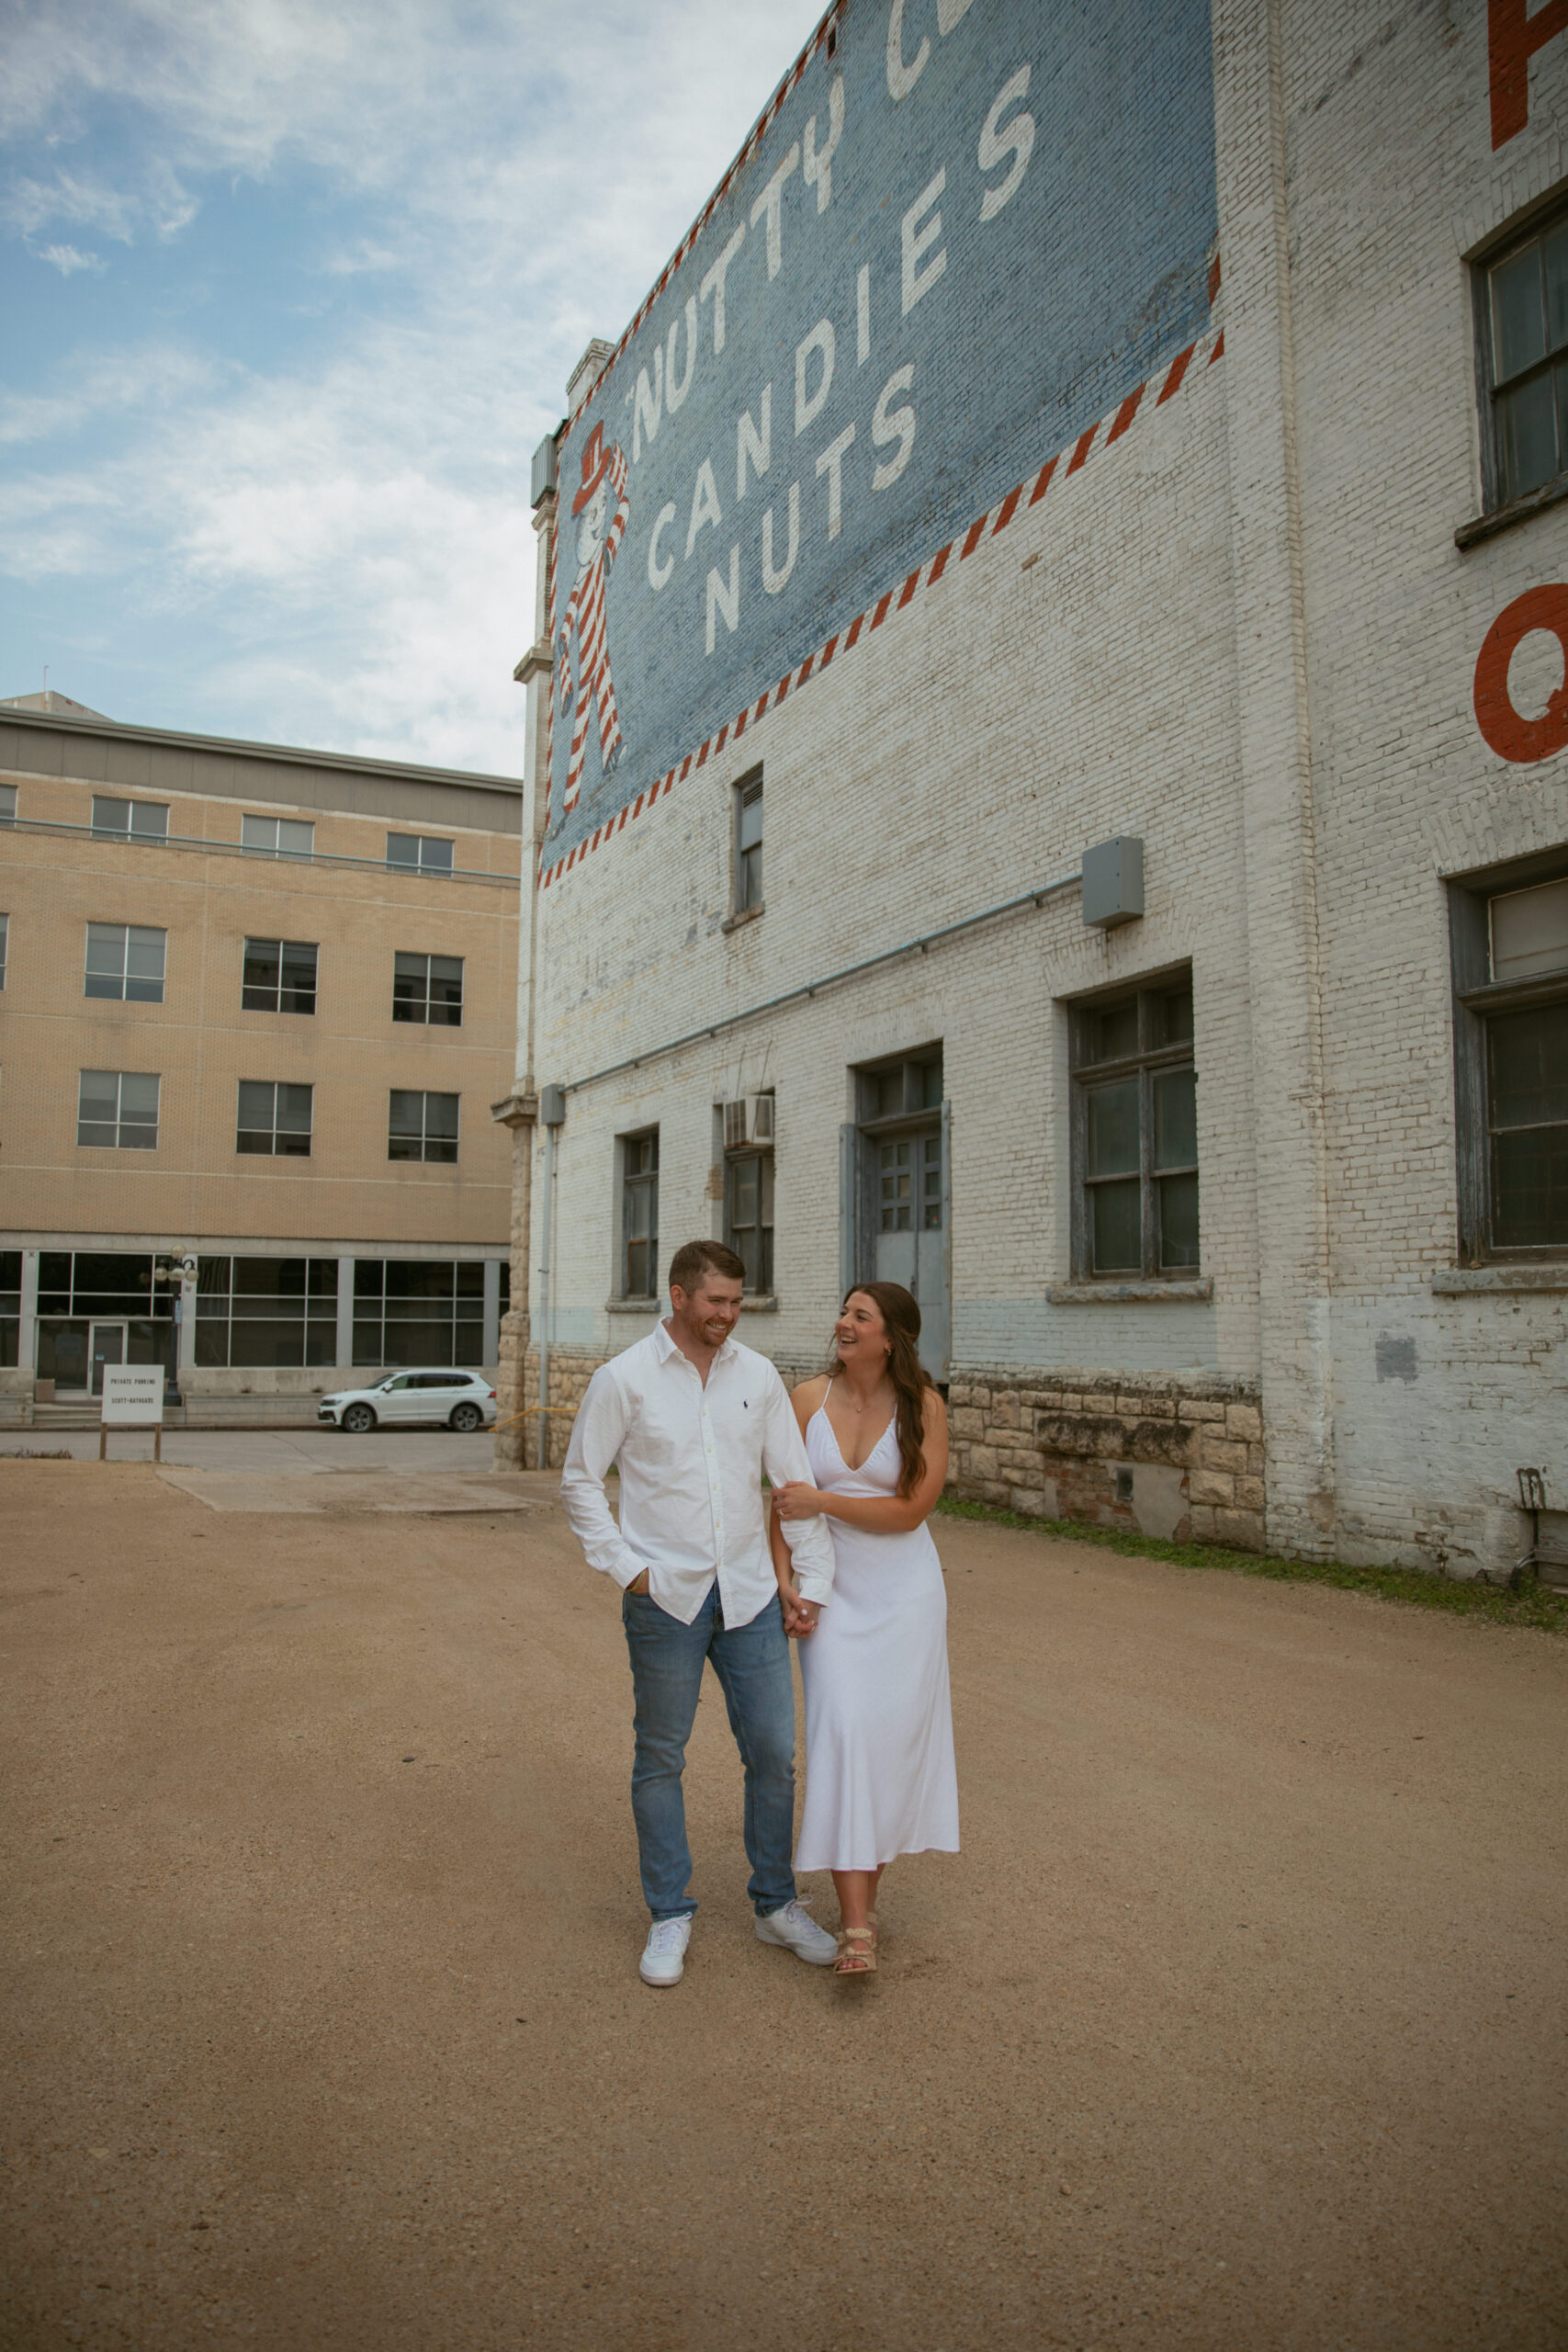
{"type": "Point", "coordinates": [1244, 633]}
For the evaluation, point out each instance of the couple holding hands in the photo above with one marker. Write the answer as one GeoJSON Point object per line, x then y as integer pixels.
{"type": "Point", "coordinates": [844, 1562]}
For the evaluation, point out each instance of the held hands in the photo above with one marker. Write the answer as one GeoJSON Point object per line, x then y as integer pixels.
{"type": "Point", "coordinates": [800, 1616]}
{"type": "Point", "coordinates": [795, 1500]}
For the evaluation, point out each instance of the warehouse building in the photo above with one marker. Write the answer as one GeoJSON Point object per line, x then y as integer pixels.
{"type": "Point", "coordinates": [254, 1004]}
{"type": "Point", "coordinates": [1048, 762]}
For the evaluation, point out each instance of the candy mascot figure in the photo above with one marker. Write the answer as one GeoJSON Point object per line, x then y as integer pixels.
{"type": "Point", "coordinates": [603, 471]}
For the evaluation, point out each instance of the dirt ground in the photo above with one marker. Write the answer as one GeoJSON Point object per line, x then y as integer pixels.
{"type": "Point", "coordinates": [1239, 2022]}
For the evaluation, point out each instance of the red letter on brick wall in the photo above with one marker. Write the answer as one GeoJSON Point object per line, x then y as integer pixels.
{"type": "Point", "coordinates": [1511, 737]}
{"type": "Point", "coordinates": [1512, 40]}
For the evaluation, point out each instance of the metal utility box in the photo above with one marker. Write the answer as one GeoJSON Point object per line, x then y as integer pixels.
{"type": "Point", "coordinates": [552, 1106]}
{"type": "Point", "coordinates": [1114, 882]}
{"type": "Point", "coordinates": [545, 468]}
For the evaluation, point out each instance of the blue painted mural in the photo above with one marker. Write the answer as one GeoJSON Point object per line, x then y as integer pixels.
{"type": "Point", "coordinates": [964, 231]}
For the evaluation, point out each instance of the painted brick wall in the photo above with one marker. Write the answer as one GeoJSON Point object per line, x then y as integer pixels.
{"type": "Point", "coordinates": [1241, 630]}
{"type": "Point", "coordinates": [1392, 180]}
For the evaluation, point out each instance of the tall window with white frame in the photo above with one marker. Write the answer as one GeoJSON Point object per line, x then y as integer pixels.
{"type": "Point", "coordinates": [749, 1187]}
{"type": "Point", "coordinates": [278, 975]}
{"type": "Point", "coordinates": [1522, 328]}
{"type": "Point", "coordinates": [124, 963]}
{"type": "Point", "coordinates": [117, 1110]}
{"type": "Point", "coordinates": [427, 988]}
{"type": "Point", "coordinates": [274, 1119]}
{"type": "Point", "coordinates": [1509, 936]}
{"type": "Point", "coordinates": [1134, 1134]}
{"type": "Point", "coordinates": [748, 896]}
{"type": "Point", "coordinates": [130, 821]}
{"type": "Point", "coordinates": [419, 853]}
{"type": "Point", "coordinates": [4, 941]}
{"type": "Point", "coordinates": [421, 1125]}
{"type": "Point", "coordinates": [639, 1215]}
{"type": "Point", "coordinates": [278, 837]}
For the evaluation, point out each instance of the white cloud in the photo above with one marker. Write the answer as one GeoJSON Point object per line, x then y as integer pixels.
{"type": "Point", "coordinates": [108, 384]}
{"type": "Point", "coordinates": [351, 529]}
{"type": "Point", "coordinates": [68, 259]}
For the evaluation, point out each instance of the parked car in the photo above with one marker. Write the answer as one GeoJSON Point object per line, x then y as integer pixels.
{"type": "Point", "coordinates": [464, 1400]}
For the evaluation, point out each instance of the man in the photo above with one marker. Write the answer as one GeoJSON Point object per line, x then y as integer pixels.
{"type": "Point", "coordinates": [693, 1419]}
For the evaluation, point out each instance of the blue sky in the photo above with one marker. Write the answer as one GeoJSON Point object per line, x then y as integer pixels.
{"type": "Point", "coordinates": [292, 289]}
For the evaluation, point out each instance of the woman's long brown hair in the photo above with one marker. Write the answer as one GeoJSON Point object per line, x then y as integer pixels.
{"type": "Point", "coordinates": [901, 1320]}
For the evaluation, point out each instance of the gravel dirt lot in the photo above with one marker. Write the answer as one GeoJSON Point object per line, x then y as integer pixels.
{"type": "Point", "coordinates": [1239, 2022]}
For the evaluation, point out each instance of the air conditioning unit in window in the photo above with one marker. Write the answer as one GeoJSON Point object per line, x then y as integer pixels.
{"type": "Point", "coordinates": [749, 1119]}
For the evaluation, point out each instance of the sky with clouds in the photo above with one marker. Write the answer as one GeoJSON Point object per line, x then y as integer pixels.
{"type": "Point", "coordinates": [293, 289]}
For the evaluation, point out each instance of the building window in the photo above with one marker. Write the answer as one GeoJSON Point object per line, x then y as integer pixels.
{"type": "Point", "coordinates": [124, 963]}
{"type": "Point", "coordinates": [907, 1166]}
{"type": "Point", "coordinates": [419, 853]}
{"type": "Point", "coordinates": [749, 1187]}
{"type": "Point", "coordinates": [428, 987]}
{"type": "Point", "coordinates": [1135, 1133]}
{"type": "Point", "coordinates": [1510, 955]}
{"type": "Point", "coordinates": [7, 804]}
{"type": "Point", "coordinates": [423, 1126]}
{"type": "Point", "coordinates": [117, 1110]}
{"type": "Point", "coordinates": [274, 1120]}
{"type": "Point", "coordinates": [10, 1307]}
{"type": "Point", "coordinates": [5, 944]}
{"type": "Point", "coordinates": [418, 1311]}
{"type": "Point", "coordinates": [77, 1291]}
{"type": "Point", "coordinates": [266, 1313]}
{"type": "Point", "coordinates": [749, 847]}
{"type": "Point", "coordinates": [1524, 334]}
{"type": "Point", "coordinates": [639, 1215]}
{"type": "Point", "coordinates": [130, 820]}
{"type": "Point", "coordinates": [279, 976]}
{"type": "Point", "coordinates": [278, 836]}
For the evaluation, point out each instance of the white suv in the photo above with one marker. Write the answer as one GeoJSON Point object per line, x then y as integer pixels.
{"type": "Point", "coordinates": [464, 1400]}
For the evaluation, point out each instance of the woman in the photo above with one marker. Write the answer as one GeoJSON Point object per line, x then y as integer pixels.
{"type": "Point", "coordinates": [880, 1778]}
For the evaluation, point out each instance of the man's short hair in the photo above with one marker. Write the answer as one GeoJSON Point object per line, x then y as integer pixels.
{"type": "Point", "coordinates": [695, 1258]}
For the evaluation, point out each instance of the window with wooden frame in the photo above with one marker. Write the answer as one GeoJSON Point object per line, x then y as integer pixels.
{"type": "Point", "coordinates": [1134, 1134]}
{"type": "Point", "coordinates": [1508, 932]}
{"type": "Point", "coordinates": [1521, 292]}
{"type": "Point", "coordinates": [749, 845]}
{"type": "Point", "coordinates": [639, 1215]}
{"type": "Point", "coordinates": [749, 1188]}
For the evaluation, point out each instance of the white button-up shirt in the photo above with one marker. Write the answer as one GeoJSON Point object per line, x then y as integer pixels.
{"type": "Point", "coordinates": [691, 1457]}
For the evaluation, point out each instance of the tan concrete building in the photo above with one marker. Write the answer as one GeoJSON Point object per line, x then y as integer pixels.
{"type": "Point", "coordinates": [254, 1007]}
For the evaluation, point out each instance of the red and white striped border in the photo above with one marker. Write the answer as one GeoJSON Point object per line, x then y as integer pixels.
{"type": "Point", "coordinates": [927, 574]}
{"type": "Point", "coordinates": [760, 131]}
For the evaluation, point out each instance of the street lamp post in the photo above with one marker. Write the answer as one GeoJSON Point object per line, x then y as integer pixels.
{"type": "Point", "coordinates": [175, 1265]}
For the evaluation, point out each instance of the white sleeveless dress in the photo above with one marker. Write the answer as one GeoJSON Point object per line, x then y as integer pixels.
{"type": "Point", "coordinates": [880, 1777]}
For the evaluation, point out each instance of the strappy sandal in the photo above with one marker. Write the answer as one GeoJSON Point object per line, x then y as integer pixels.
{"type": "Point", "coordinates": [857, 1953]}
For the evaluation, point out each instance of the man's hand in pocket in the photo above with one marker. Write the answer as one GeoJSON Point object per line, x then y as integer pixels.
{"type": "Point", "coordinates": [638, 1584]}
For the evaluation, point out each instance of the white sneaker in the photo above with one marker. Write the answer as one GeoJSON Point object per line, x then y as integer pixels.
{"type": "Point", "coordinates": [799, 1933]}
{"type": "Point", "coordinates": [664, 1958]}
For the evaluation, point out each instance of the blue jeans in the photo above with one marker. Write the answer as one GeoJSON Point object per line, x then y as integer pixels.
{"type": "Point", "coordinates": [753, 1670]}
